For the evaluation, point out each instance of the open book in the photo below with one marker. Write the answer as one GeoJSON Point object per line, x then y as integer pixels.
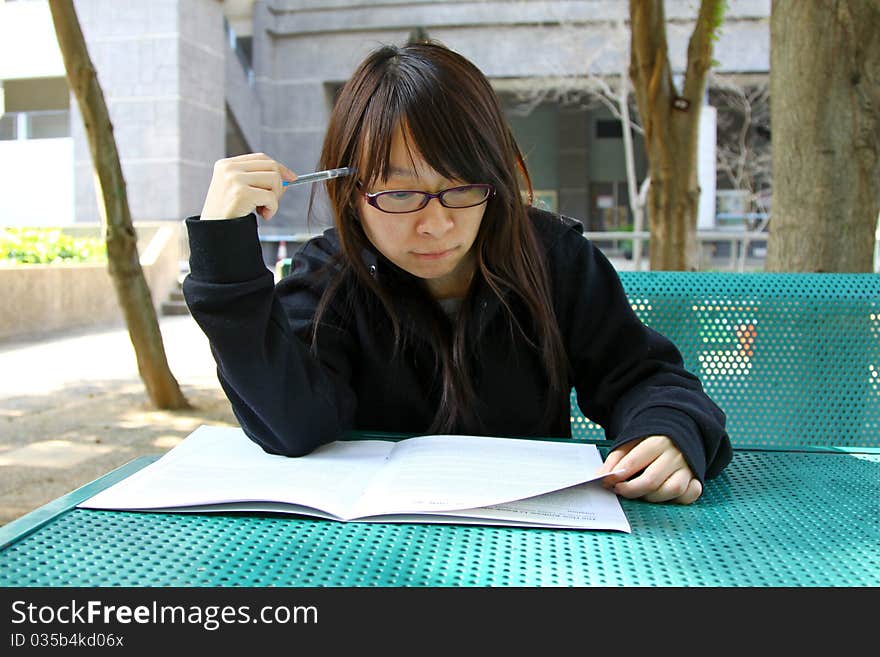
{"type": "Point", "coordinates": [437, 479]}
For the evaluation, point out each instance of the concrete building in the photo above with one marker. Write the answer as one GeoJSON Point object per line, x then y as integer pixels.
{"type": "Point", "coordinates": [188, 82]}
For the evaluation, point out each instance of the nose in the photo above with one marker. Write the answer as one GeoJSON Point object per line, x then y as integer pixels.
{"type": "Point", "coordinates": [434, 220]}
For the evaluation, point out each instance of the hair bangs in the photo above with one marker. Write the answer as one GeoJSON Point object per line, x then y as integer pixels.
{"type": "Point", "coordinates": [449, 142]}
{"type": "Point", "coordinates": [446, 138]}
{"type": "Point", "coordinates": [372, 152]}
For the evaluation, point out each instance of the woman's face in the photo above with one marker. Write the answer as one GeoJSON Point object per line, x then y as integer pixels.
{"type": "Point", "coordinates": [434, 243]}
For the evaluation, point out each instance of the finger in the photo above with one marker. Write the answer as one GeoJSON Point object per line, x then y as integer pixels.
{"type": "Point", "coordinates": [246, 163]}
{"type": "Point", "coordinates": [289, 176]}
{"type": "Point", "coordinates": [641, 455]}
{"type": "Point", "coordinates": [259, 162]}
{"type": "Point", "coordinates": [251, 160]}
{"type": "Point", "coordinates": [283, 172]}
{"type": "Point", "coordinates": [673, 488]}
{"type": "Point", "coordinates": [247, 157]}
{"type": "Point", "coordinates": [268, 180]}
{"type": "Point", "coordinates": [652, 476]}
{"type": "Point", "coordinates": [692, 494]}
{"type": "Point", "coordinates": [612, 464]}
{"type": "Point", "coordinates": [611, 461]}
{"type": "Point", "coordinates": [266, 202]}
{"type": "Point", "coordinates": [271, 178]}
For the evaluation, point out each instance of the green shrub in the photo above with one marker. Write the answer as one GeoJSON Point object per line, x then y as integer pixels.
{"type": "Point", "coordinates": [48, 245]}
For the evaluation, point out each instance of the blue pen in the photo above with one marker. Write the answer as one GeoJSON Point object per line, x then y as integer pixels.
{"type": "Point", "coordinates": [320, 175]}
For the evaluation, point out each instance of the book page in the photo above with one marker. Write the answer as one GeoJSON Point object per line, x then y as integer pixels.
{"type": "Point", "coordinates": [426, 479]}
{"type": "Point", "coordinates": [253, 507]}
{"type": "Point", "coordinates": [220, 464]}
{"type": "Point", "coordinates": [585, 506]}
{"type": "Point", "coordinates": [448, 473]}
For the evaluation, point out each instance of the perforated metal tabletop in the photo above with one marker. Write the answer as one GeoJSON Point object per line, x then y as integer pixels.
{"type": "Point", "coordinates": [772, 519]}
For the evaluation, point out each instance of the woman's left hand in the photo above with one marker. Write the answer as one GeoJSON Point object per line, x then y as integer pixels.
{"type": "Point", "coordinates": [663, 474]}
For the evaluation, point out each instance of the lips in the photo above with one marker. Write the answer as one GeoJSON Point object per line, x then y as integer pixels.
{"type": "Point", "coordinates": [434, 255]}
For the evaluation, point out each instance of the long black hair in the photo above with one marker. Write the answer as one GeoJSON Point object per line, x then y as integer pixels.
{"type": "Point", "coordinates": [456, 121]}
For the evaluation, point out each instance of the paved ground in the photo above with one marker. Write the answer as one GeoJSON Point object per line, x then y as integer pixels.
{"type": "Point", "coordinates": [73, 407]}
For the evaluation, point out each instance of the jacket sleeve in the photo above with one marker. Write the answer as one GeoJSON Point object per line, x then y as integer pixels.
{"type": "Point", "coordinates": [286, 400]}
{"type": "Point", "coordinates": [629, 378]}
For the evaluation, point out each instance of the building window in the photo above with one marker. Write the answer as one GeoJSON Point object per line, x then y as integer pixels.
{"type": "Point", "coordinates": [36, 108]}
{"type": "Point", "coordinates": [609, 129]}
{"type": "Point", "coordinates": [48, 124]}
{"type": "Point", "coordinates": [8, 127]}
{"type": "Point", "coordinates": [243, 47]}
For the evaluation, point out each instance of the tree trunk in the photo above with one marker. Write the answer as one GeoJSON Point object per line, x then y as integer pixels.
{"type": "Point", "coordinates": [632, 184]}
{"type": "Point", "coordinates": [825, 118]}
{"type": "Point", "coordinates": [122, 256]}
{"type": "Point", "coordinates": [671, 122]}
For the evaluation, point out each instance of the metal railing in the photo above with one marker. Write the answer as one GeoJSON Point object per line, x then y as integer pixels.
{"type": "Point", "coordinates": [739, 243]}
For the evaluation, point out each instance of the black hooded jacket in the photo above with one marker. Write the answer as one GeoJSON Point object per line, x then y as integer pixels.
{"type": "Point", "coordinates": [628, 378]}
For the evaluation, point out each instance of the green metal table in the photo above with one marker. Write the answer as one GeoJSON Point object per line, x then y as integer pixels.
{"type": "Point", "coordinates": [808, 517]}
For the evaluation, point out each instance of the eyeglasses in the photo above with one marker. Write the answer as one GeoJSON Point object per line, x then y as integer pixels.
{"type": "Point", "coordinates": [405, 200]}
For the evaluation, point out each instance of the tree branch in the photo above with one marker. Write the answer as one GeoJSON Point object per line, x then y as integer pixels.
{"type": "Point", "coordinates": [649, 61]}
{"type": "Point", "coordinates": [699, 59]}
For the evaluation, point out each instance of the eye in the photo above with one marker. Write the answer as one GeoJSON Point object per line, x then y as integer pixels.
{"type": "Point", "coordinates": [399, 196]}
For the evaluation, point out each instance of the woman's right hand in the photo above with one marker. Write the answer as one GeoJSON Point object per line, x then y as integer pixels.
{"type": "Point", "coordinates": [244, 183]}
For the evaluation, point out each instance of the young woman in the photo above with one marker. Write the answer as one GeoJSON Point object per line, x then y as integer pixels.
{"type": "Point", "coordinates": [440, 301]}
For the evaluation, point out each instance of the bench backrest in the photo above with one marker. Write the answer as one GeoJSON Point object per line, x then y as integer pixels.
{"type": "Point", "coordinates": [792, 359]}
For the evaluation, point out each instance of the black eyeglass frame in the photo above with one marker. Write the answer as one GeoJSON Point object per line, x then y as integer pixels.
{"type": "Point", "coordinates": [372, 197]}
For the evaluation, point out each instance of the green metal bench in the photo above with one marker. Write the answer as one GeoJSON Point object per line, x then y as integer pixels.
{"type": "Point", "coordinates": [793, 359]}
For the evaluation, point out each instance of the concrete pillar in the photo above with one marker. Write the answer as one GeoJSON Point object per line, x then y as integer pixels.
{"type": "Point", "coordinates": [161, 64]}
{"type": "Point", "coordinates": [706, 167]}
